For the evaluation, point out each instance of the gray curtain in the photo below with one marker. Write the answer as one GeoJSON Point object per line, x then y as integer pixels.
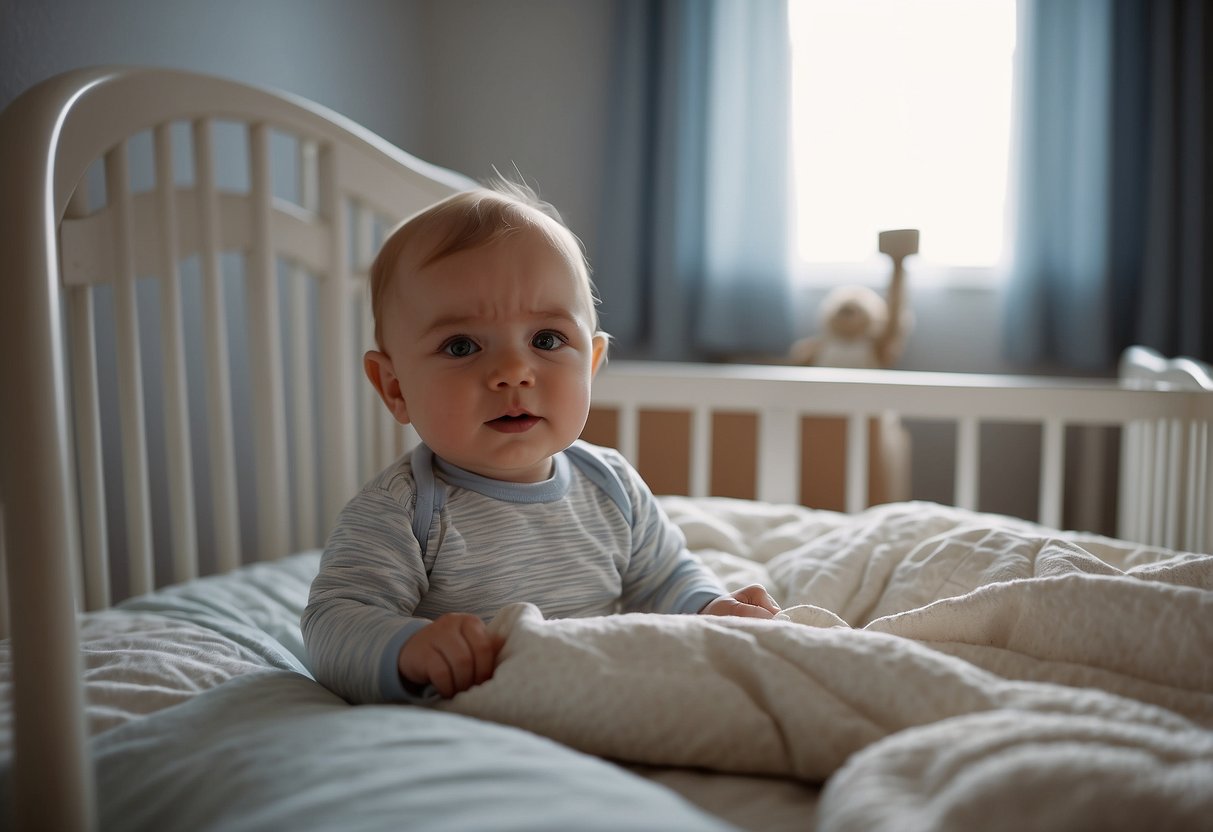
{"type": "Point", "coordinates": [693, 259]}
{"type": "Point", "coordinates": [1113, 224]}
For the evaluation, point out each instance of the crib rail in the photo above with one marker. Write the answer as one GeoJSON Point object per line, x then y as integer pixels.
{"type": "Point", "coordinates": [788, 394]}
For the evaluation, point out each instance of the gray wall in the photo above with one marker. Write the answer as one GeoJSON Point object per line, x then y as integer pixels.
{"type": "Point", "coordinates": [362, 58]}
{"type": "Point", "coordinates": [526, 83]}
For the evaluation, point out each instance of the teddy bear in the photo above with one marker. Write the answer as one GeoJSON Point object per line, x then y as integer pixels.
{"type": "Point", "coordinates": [859, 328]}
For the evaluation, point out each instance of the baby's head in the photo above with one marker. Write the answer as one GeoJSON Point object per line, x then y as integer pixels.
{"type": "Point", "coordinates": [487, 332]}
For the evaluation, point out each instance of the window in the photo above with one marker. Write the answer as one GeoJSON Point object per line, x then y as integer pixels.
{"type": "Point", "coordinates": [901, 118]}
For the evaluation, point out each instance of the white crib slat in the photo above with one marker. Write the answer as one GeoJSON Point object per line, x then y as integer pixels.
{"type": "Point", "coordinates": [1145, 482]}
{"type": "Point", "coordinates": [173, 380]}
{"type": "Point", "coordinates": [1052, 471]}
{"type": "Point", "coordinates": [967, 456]}
{"type": "Point", "coordinates": [629, 432]}
{"type": "Point", "coordinates": [218, 374]}
{"type": "Point", "coordinates": [857, 463]}
{"type": "Point", "coordinates": [304, 474]}
{"type": "Point", "coordinates": [90, 470]}
{"type": "Point", "coordinates": [368, 429]}
{"type": "Point", "coordinates": [364, 247]}
{"type": "Point", "coordinates": [379, 426]}
{"type": "Point", "coordinates": [1158, 483]}
{"type": "Point", "coordinates": [1127, 499]}
{"type": "Point", "coordinates": [378, 434]}
{"type": "Point", "coordinates": [130, 380]}
{"type": "Point", "coordinates": [265, 359]}
{"type": "Point", "coordinates": [1205, 507]}
{"type": "Point", "coordinates": [701, 451]}
{"type": "Point", "coordinates": [1139, 476]}
{"type": "Point", "coordinates": [1196, 474]}
{"type": "Point", "coordinates": [302, 408]}
{"type": "Point", "coordinates": [778, 455]}
{"type": "Point", "coordinates": [87, 422]}
{"type": "Point", "coordinates": [336, 355]}
{"type": "Point", "coordinates": [371, 449]}
{"type": "Point", "coordinates": [309, 175]}
{"type": "Point", "coordinates": [1173, 501]}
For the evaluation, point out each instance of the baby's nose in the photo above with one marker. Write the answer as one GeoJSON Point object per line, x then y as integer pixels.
{"type": "Point", "coordinates": [512, 371]}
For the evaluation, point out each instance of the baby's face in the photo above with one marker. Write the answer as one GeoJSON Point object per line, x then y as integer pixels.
{"type": "Point", "coordinates": [494, 354]}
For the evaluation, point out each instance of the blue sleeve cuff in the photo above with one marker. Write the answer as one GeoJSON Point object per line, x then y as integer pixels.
{"type": "Point", "coordinates": [392, 685]}
{"type": "Point", "coordinates": [696, 601]}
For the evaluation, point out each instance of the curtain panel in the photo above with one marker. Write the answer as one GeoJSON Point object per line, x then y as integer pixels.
{"type": "Point", "coordinates": [693, 260]}
{"type": "Point", "coordinates": [1113, 227]}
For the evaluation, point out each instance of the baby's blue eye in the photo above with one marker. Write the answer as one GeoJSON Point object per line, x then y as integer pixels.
{"type": "Point", "coordinates": [546, 341]}
{"type": "Point", "coordinates": [460, 347]}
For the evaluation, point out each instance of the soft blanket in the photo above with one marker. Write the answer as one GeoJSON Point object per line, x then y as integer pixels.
{"type": "Point", "coordinates": [937, 668]}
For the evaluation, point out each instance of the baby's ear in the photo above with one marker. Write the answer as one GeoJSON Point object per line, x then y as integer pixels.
{"type": "Point", "coordinates": [382, 375]}
{"type": "Point", "coordinates": [599, 345]}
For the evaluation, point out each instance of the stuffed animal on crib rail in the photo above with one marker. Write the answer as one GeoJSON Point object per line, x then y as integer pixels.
{"type": "Point", "coordinates": [859, 328]}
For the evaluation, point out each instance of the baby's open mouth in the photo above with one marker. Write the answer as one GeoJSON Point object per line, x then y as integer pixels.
{"type": "Point", "coordinates": [513, 423]}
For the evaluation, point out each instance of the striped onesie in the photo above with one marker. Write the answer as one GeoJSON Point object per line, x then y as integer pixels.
{"type": "Point", "coordinates": [566, 545]}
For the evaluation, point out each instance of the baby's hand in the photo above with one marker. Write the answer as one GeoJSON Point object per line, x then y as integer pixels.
{"type": "Point", "coordinates": [752, 601]}
{"type": "Point", "coordinates": [453, 653]}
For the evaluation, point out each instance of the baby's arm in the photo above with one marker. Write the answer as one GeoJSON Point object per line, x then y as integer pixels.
{"type": "Point", "coordinates": [752, 601]}
{"type": "Point", "coordinates": [664, 576]}
{"type": "Point", "coordinates": [361, 603]}
{"type": "Point", "coordinates": [454, 653]}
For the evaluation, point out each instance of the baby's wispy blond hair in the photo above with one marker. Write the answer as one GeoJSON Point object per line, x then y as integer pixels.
{"type": "Point", "coordinates": [468, 220]}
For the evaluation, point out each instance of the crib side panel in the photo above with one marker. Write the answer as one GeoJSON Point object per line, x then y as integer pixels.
{"type": "Point", "coordinates": [805, 418]}
{"type": "Point", "coordinates": [213, 258]}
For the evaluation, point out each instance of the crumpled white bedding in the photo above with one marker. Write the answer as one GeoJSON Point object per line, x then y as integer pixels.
{"type": "Point", "coordinates": [941, 669]}
{"type": "Point", "coordinates": [935, 668]}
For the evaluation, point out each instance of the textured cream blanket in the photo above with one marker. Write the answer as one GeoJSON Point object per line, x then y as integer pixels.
{"type": "Point", "coordinates": [937, 668]}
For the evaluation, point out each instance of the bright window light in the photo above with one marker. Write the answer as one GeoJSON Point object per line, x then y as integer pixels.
{"type": "Point", "coordinates": [901, 118]}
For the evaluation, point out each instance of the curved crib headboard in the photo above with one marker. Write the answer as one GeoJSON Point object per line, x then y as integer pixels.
{"type": "Point", "coordinates": [152, 194]}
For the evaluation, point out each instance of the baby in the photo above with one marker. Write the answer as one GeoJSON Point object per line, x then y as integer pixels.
{"type": "Point", "coordinates": [488, 340]}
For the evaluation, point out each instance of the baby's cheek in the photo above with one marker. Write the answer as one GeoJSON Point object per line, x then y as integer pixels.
{"type": "Point", "coordinates": [441, 422]}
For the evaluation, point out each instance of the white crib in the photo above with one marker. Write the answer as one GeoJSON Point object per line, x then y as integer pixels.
{"type": "Point", "coordinates": [112, 179]}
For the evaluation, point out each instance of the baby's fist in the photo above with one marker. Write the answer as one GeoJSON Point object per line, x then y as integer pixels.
{"type": "Point", "coordinates": [454, 653]}
{"type": "Point", "coordinates": [752, 601]}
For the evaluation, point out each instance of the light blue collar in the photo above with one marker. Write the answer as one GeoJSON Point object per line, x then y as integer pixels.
{"type": "Point", "coordinates": [554, 488]}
